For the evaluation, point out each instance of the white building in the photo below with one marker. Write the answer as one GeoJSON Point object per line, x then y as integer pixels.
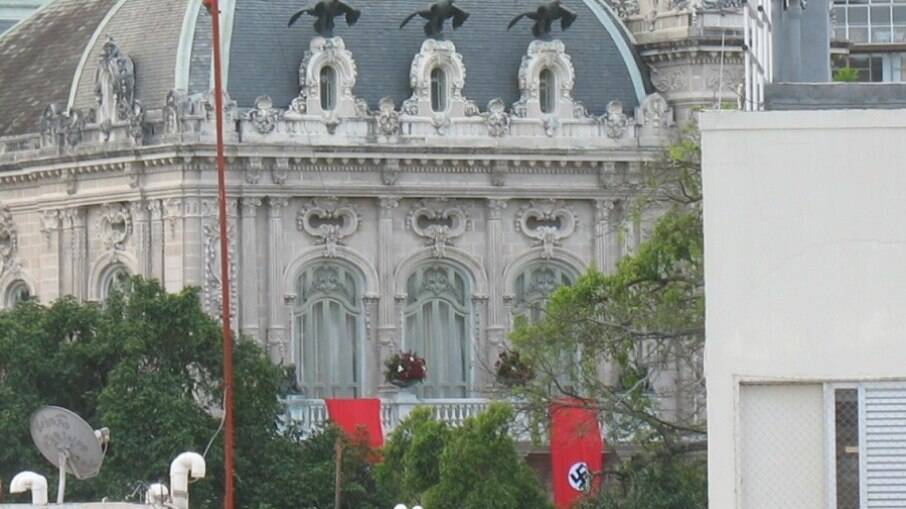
{"type": "Point", "coordinates": [806, 288]}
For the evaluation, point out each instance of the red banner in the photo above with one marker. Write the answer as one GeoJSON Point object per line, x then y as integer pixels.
{"type": "Point", "coordinates": [358, 416]}
{"type": "Point", "coordinates": [577, 451]}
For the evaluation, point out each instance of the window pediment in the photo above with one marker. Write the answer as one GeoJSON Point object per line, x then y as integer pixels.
{"type": "Point", "coordinates": [327, 58]}
{"type": "Point", "coordinates": [546, 81]}
{"type": "Point", "coordinates": [438, 64]}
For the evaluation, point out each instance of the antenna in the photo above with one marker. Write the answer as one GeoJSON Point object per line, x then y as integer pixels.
{"type": "Point", "coordinates": [70, 443]}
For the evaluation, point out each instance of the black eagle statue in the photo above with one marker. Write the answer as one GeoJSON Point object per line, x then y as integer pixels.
{"type": "Point", "coordinates": [436, 15]}
{"type": "Point", "coordinates": [545, 16]}
{"type": "Point", "coordinates": [325, 11]}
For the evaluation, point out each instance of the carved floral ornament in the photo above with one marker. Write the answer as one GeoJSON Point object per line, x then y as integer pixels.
{"type": "Point", "coordinates": [114, 225]}
{"type": "Point", "coordinates": [9, 239]}
{"type": "Point", "coordinates": [439, 222]}
{"type": "Point", "coordinates": [548, 223]}
{"type": "Point", "coordinates": [330, 221]}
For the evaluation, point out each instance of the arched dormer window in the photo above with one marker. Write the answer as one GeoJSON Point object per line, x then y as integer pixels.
{"type": "Point", "coordinates": [547, 94]}
{"type": "Point", "coordinates": [438, 90]}
{"type": "Point", "coordinates": [17, 293]}
{"type": "Point", "coordinates": [328, 80]}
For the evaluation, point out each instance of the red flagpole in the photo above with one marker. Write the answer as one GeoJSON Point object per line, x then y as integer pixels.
{"type": "Point", "coordinates": [214, 9]}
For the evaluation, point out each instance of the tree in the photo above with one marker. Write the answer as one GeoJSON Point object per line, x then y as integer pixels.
{"type": "Point", "coordinates": [630, 343]}
{"type": "Point", "coordinates": [475, 466]}
{"type": "Point", "coordinates": [147, 365]}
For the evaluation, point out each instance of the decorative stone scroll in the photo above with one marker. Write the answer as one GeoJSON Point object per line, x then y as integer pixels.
{"type": "Point", "coordinates": [330, 220]}
{"type": "Point", "coordinates": [439, 223]}
{"type": "Point", "coordinates": [114, 226]}
{"type": "Point", "coordinates": [264, 116]}
{"type": "Point", "coordinates": [548, 224]}
{"type": "Point", "coordinates": [9, 240]}
{"type": "Point", "coordinates": [550, 55]}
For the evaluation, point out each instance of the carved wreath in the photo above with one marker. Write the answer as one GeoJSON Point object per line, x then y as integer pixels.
{"type": "Point", "coordinates": [547, 224]}
{"type": "Point", "coordinates": [9, 239]}
{"type": "Point", "coordinates": [330, 221]}
{"type": "Point", "coordinates": [115, 225]}
{"type": "Point", "coordinates": [439, 223]}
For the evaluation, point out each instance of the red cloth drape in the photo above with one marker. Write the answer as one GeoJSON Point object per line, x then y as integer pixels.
{"type": "Point", "coordinates": [577, 451]}
{"type": "Point", "coordinates": [358, 416]}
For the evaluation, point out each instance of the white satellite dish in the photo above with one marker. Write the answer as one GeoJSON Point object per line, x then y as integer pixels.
{"type": "Point", "coordinates": [68, 442]}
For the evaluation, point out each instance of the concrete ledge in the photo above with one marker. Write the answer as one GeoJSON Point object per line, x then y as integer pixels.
{"type": "Point", "coordinates": [834, 96]}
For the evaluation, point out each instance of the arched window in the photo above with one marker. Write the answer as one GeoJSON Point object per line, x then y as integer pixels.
{"type": "Point", "coordinates": [533, 287]}
{"type": "Point", "coordinates": [438, 90]}
{"type": "Point", "coordinates": [328, 328]}
{"type": "Point", "coordinates": [437, 317]}
{"type": "Point", "coordinates": [547, 93]}
{"type": "Point", "coordinates": [116, 280]}
{"type": "Point", "coordinates": [17, 293]}
{"type": "Point", "coordinates": [328, 88]}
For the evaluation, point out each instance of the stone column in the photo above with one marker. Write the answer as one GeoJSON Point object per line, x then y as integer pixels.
{"type": "Point", "coordinates": [486, 353]}
{"type": "Point", "coordinates": [49, 260]}
{"type": "Point", "coordinates": [387, 331]}
{"type": "Point", "coordinates": [372, 352]}
{"type": "Point", "coordinates": [496, 325]}
{"type": "Point", "coordinates": [248, 290]}
{"type": "Point", "coordinates": [156, 244]}
{"type": "Point", "coordinates": [142, 234]}
{"type": "Point", "coordinates": [277, 340]}
{"type": "Point", "coordinates": [193, 243]}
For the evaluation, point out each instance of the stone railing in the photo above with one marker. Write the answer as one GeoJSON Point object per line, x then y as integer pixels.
{"type": "Point", "coordinates": [311, 414]}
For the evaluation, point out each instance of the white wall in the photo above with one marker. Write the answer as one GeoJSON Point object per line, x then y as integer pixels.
{"type": "Point", "coordinates": [805, 258]}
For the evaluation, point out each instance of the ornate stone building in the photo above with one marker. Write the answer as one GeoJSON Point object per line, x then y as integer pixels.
{"type": "Point", "coordinates": [386, 190]}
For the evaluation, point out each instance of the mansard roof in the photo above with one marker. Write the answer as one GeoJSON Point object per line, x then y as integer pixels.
{"type": "Point", "coordinates": [52, 57]}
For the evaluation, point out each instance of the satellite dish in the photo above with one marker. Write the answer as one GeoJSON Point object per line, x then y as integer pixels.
{"type": "Point", "coordinates": [68, 442]}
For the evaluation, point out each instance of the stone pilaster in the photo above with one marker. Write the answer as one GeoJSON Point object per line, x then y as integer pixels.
{"type": "Point", "coordinates": [50, 282]}
{"type": "Point", "coordinates": [77, 239]}
{"type": "Point", "coordinates": [193, 243]}
{"type": "Point", "coordinates": [387, 309]}
{"type": "Point", "coordinates": [496, 325]}
{"type": "Point", "coordinates": [607, 235]}
{"type": "Point", "coordinates": [485, 353]}
{"type": "Point", "coordinates": [372, 350]}
{"type": "Point", "coordinates": [248, 294]}
{"type": "Point", "coordinates": [174, 213]}
{"type": "Point", "coordinates": [277, 339]}
{"type": "Point", "coordinates": [141, 231]}
{"type": "Point", "coordinates": [157, 242]}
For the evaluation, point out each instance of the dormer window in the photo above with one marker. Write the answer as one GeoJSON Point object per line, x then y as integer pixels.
{"type": "Point", "coordinates": [438, 90]}
{"type": "Point", "coordinates": [547, 95]}
{"type": "Point", "coordinates": [328, 88]}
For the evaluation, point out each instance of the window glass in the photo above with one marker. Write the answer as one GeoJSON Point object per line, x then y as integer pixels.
{"type": "Point", "coordinates": [438, 90]}
{"type": "Point", "coordinates": [18, 293]}
{"type": "Point", "coordinates": [328, 88]}
{"type": "Point", "coordinates": [438, 318]}
{"type": "Point", "coordinates": [880, 14]}
{"type": "Point", "coordinates": [846, 421]}
{"type": "Point", "coordinates": [546, 91]}
{"type": "Point", "coordinates": [857, 15]}
{"type": "Point", "coordinates": [328, 328]}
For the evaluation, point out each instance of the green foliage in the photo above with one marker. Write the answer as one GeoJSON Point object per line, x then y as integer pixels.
{"type": "Point", "coordinates": [148, 366]}
{"type": "Point", "coordinates": [475, 466]}
{"type": "Point", "coordinates": [655, 485]}
{"type": "Point", "coordinates": [846, 74]}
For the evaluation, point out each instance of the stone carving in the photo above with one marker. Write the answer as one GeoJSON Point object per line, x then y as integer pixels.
{"type": "Point", "coordinates": [441, 123]}
{"type": "Point", "coordinates": [545, 55]}
{"type": "Point", "coordinates": [211, 285]}
{"type": "Point", "coordinates": [280, 170]}
{"type": "Point", "coordinates": [656, 112]}
{"type": "Point", "coordinates": [69, 181]}
{"type": "Point", "coordinates": [624, 8]}
{"type": "Point", "coordinates": [50, 223]}
{"type": "Point", "coordinates": [330, 220]}
{"type": "Point", "coordinates": [9, 240]}
{"type": "Point", "coordinates": [615, 121]}
{"type": "Point", "coordinates": [436, 15]}
{"type": "Point", "coordinates": [133, 171]}
{"type": "Point", "coordinates": [114, 226]}
{"type": "Point", "coordinates": [114, 84]}
{"type": "Point", "coordinates": [390, 172]}
{"type": "Point", "coordinates": [437, 282]}
{"type": "Point", "coordinates": [387, 118]}
{"type": "Point", "coordinates": [544, 17]}
{"type": "Point", "coordinates": [137, 123]}
{"type": "Point", "coordinates": [547, 224]}
{"type": "Point", "coordinates": [61, 128]}
{"type": "Point", "coordinates": [498, 173]}
{"type": "Point", "coordinates": [498, 119]}
{"type": "Point", "coordinates": [551, 125]}
{"type": "Point", "coordinates": [325, 11]}
{"type": "Point", "coordinates": [254, 170]}
{"type": "Point", "coordinates": [264, 116]}
{"type": "Point", "coordinates": [439, 223]}
{"type": "Point", "coordinates": [666, 82]}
